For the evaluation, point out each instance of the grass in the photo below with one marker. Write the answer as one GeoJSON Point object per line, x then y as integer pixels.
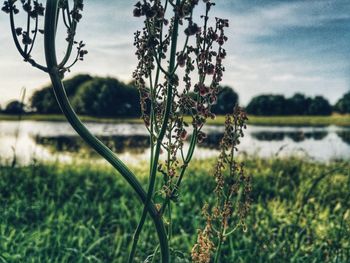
{"type": "Point", "coordinates": [76, 213]}
{"type": "Point", "coordinates": [339, 120]}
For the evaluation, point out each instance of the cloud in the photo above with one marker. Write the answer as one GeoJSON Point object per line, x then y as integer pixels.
{"type": "Point", "coordinates": [275, 46]}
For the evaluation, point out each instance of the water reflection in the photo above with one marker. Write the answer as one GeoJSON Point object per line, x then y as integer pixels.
{"type": "Point", "coordinates": [296, 136]}
{"type": "Point", "coordinates": [57, 140]}
{"type": "Point", "coordinates": [118, 144]}
{"type": "Point", "coordinates": [345, 136]}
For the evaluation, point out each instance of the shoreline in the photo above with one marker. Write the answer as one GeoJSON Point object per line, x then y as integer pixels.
{"type": "Point", "coordinates": [337, 120]}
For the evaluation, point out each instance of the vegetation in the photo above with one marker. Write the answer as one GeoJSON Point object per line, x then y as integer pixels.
{"type": "Point", "coordinates": [107, 97]}
{"type": "Point", "coordinates": [272, 105]}
{"type": "Point", "coordinates": [85, 213]}
{"type": "Point", "coordinates": [14, 107]}
{"type": "Point", "coordinates": [339, 120]}
{"type": "Point", "coordinates": [343, 104]}
{"type": "Point", "coordinates": [43, 101]}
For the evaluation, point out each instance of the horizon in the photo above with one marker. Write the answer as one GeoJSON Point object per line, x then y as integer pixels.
{"type": "Point", "coordinates": [275, 47]}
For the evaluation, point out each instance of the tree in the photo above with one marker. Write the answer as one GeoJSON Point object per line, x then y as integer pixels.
{"type": "Point", "coordinates": [14, 107]}
{"type": "Point", "coordinates": [227, 99]}
{"type": "Point", "coordinates": [320, 106]}
{"type": "Point", "coordinates": [107, 97]}
{"type": "Point", "coordinates": [299, 104]}
{"type": "Point", "coordinates": [343, 104]}
{"type": "Point", "coordinates": [267, 105]}
{"type": "Point", "coordinates": [43, 101]}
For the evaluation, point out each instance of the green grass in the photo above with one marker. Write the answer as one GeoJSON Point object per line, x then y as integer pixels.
{"type": "Point", "coordinates": [339, 120]}
{"type": "Point", "coordinates": [57, 118]}
{"type": "Point", "coordinates": [76, 213]}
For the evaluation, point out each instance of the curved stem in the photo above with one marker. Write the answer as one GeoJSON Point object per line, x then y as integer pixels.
{"type": "Point", "coordinates": [28, 29]}
{"type": "Point", "coordinates": [73, 119]}
{"type": "Point", "coordinates": [14, 35]}
{"type": "Point", "coordinates": [69, 49]}
{"type": "Point", "coordinates": [34, 37]}
{"type": "Point", "coordinates": [219, 246]}
{"type": "Point", "coordinates": [19, 47]}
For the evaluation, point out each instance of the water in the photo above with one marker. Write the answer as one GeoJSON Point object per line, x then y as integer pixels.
{"type": "Point", "coordinates": [51, 141]}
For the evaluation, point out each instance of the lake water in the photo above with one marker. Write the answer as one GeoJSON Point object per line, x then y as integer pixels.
{"type": "Point", "coordinates": [50, 141]}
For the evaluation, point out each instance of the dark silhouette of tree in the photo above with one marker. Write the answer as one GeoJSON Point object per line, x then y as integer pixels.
{"type": "Point", "coordinates": [343, 104]}
{"type": "Point", "coordinates": [268, 105]}
{"type": "Point", "coordinates": [298, 104]}
{"type": "Point", "coordinates": [226, 101]}
{"type": "Point", "coordinates": [43, 101]}
{"type": "Point", "coordinates": [320, 106]}
{"type": "Point", "coordinates": [14, 107]}
{"type": "Point", "coordinates": [107, 97]}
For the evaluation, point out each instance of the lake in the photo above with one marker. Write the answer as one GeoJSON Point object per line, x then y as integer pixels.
{"type": "Point", "coordinates": [51, 141]}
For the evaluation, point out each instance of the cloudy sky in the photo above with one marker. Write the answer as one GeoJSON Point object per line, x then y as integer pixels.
{"type": "Point", "coordinates": [276, 46]}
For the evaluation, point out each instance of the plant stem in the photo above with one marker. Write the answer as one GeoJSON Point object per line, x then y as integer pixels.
{"type": "Point", "coordinates": [159, 139]}
{"type": "Point", "coordinates": [73, 119]}
{"type": "Point", "coordinates": [219, 247]}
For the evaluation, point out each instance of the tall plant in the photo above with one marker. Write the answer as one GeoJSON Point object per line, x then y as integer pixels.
{"type": "Point", "coordinates": [178, 55]}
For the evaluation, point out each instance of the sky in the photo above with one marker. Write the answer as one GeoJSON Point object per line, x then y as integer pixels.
{"type": "Point", "coordinates": [274, 47]}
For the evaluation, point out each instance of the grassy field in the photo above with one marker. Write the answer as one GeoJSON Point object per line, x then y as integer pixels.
{"type": "Point", "coordinates": [340, 120]}
{"type": "Point", "coordinates": [76, 213]}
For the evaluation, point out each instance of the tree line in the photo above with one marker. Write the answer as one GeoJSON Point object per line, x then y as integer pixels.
{"type": "Point", "coordinates": [109, 97]}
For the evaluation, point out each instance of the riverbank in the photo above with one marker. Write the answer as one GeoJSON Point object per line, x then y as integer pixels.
{"type": "Point", "coordinates": [83, 213]}
{"type": "Point", "coordinates": [338, 120]}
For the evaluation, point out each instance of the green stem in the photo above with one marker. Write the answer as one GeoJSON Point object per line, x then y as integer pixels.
{"type": "Point", "coordinates": [182, 173]}
{"type": "Point", "coordinates": [71, 30]}
{"type": "Point", "coordinates": [73, 119]}
{"type": "Point", "coordinates": [219, 247]}
{"type": "Point", "coordinates": [159, 138]}
{"type": "Point", "coordinates": [28, 29]}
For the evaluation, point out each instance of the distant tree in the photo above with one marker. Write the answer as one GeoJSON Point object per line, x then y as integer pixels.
{"type": "Point", "coordinates": [43, 101]}
{"type": "Point", "coordinates": [107, 97]}
{"type": "Point", "coordinates": [268, 105]}
{"type": "Point", "coordinates": [226, 101]}
{"type": "Point", "coordinates": [320, 106]}
{"type": "Point", "coordinates": [298, 104]}
{"type": "Point", "coordinates": [14, 107]}
{"type": "Point", "coordinates": [343, 104]}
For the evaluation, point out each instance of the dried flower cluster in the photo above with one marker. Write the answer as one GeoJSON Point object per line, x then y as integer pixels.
{"type": "Point", "coordinates": [204, 248]}
{"type": "Point", "coordinates": [232, 189]}
{"type": "Point", "coordinates": [33, 9]}
{"type": "Point", "coordinates": [198, 62]}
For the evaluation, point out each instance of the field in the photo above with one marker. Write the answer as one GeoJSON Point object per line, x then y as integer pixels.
{"type": "Point", "coordinates": [87, 213]}
{"type": "Point", "coordinates": [340, 120]}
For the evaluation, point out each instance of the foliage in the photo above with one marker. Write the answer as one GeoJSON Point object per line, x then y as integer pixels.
{"type": "Point", "coordinates": [43, 101]}
{"type": "Point", "coordinates": [166, 99]}
{"type": "Point", "coordinates": [343, 104]}
{"type": "Point", "coordinates": [269, 105]}
{"type": "Point", "coordinates": [14, 107]}
{"type": "Point", "coordinates": [320, 106]}
{"type": "Point", "coordinates": [227, 99]}
{"type": "Point", "coordinates": [85, 213]}
{"type": "Point", "coordinates": [232, 192]}
{"type": "Point", "coordinates": [299, 104]}
{"type": "Point", "coordinates": [107, 97]}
